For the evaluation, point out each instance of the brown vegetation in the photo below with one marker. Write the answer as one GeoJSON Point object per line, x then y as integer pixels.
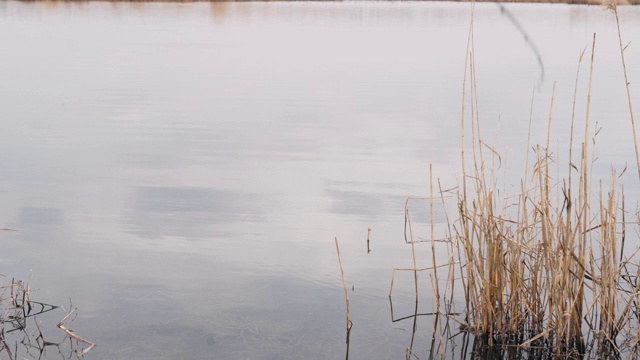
{"type": "Point", "coordinates": [588, 2]}
{"type": "Point", "coordinates": [549, 269]}
{"type": "Point", "coordinates": [20, 326]}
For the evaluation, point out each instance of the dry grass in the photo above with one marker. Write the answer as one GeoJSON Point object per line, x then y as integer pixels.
{"type": "Point", "coordinates": [22, 336]}
{"type": "Point", "coordinates": [545, 270]}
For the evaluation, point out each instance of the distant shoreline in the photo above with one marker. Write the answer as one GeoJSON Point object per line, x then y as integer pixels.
{"type": "Point", "coordinates": [571, 2]}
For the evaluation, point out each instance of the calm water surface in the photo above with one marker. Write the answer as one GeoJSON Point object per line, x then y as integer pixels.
{"type": "Point", "coordinates": [180, 170]}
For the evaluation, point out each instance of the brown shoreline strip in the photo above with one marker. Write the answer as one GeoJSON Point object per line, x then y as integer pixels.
{"type": "Point", "coordinates": [570, 2]}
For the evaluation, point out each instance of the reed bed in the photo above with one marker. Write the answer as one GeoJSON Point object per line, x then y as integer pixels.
{"type": "Point", "coordinates": [549, 270]}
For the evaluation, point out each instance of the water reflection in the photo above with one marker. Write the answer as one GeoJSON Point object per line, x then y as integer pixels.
{"type": "Point", "coordinates": [361, 204]}
{"type": "Point", "coordinates": [42, 225]}
{"type": "Point", "coordinates": [261, 130]}
{"type": "Point", "coordinates": [188, 213]}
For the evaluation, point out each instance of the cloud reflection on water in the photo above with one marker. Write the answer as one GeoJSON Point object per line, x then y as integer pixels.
{"type": "Point", "coordinates": [41, 225]}
{"type": "Point", "coordinates": [188, 212]}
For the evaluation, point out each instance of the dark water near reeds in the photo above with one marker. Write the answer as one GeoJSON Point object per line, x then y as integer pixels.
{"type": "Point", "coordinates": [179, 171]}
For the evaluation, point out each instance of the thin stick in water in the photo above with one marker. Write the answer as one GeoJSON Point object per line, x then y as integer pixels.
{"type": "Point", "coordinates": [346, 293]}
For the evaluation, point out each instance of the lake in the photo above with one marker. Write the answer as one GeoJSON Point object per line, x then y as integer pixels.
{"type": "Point", "coordinates": [179, 170]}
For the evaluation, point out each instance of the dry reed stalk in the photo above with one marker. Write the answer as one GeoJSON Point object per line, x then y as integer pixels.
{"type": "Point", "coordinates": [515, 306]}
{"type": "Point", "coordinates": [5, 346]}
{"type": "Point", "coordinates": [346, 293]}
{"type": "Point", "coordinates": [614, 8]}
{"type": "Point", "coordinates": [571, 330]}
{"type": "Point", "coordinates": [582, 219]}
{"type": "Point", "coordinates": [462, 119]}
{"type": "Point", "coordinates": [545, 215]}
{"type": "Point", "coordinates": [609, 272]}
{"type": "Point", "coordinates": [451, 269]}
{"type": "Point", "coordinates": [469, 287]}
{"type": "Point", "coordinates": [467, 284]}
{"type": "Point", "coordinates": [412, 241]}
{"type": "Point", "coordinates": [62, 326]}
{"type": "Point", "coordinates": [413, 249]}
{"type": "Point", "coordinates": [435, 284]}
{"type": "Point", "coordinates": [393, 273]}
{"type": "Point", "coordinates": [434, 278]}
